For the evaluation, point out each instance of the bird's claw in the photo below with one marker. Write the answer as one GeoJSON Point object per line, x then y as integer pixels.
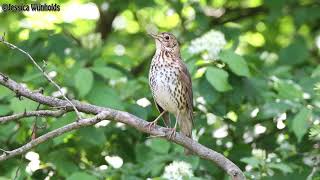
{"type": "Point", "coordinates": [172, 133]}
{"type": "Point", "coordinates": [152, 125]}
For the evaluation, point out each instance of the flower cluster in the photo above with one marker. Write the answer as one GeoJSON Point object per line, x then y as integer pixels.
{"type": "Point", "coordinates": [210, 44]}
{"type": "Point", "coordinates": [178, 170]}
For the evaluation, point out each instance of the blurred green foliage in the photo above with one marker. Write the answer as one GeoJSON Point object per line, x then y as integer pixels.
{"type": "Point", "coordinates": [258, 103]}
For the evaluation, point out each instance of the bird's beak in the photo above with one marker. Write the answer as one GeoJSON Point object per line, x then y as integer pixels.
{"type": "Point", "coordinates": [153, 35]}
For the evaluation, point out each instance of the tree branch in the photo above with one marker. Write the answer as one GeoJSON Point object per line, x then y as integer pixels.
{"type": "Point", "coordinates": [52, 134]}
{"type": "Point", "coordinates": [120, 116]}
{"type": "Point", "coordinates": [38, 113]}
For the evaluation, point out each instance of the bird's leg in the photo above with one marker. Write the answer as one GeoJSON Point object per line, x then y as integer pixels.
{"type": "Point", "coordinates": [154, 123]}
{"type": "Point", "coordinates": [173, 130]}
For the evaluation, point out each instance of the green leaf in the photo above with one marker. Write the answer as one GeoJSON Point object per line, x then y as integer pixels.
{"type": "Point", "coordinates": [143, 153]}
{"type": "Point", "coordinates": [81, 176]}
{"type": "Point", "coordinates": [316, 72]}
{"type": "Point", "coordinates": [4, 109]}
{"type": "Point", "coordinates": [289, 90]}
{"type": "Point", "coordinates": [152, 165]}
{"type": "Point", "coordinates": [92, 135]}
{"type": "Point", "coordinates": [4, 92]}
{"type": "Point", "coordinates": [107, 72]}
{"type": "Point", "coordinates": [17, 105]}
{"type": "Point", "coordinates": [253, 161]}
{"type": "Point", "coordinates": [64, 164]}
{"type": "Point", "coordinates": [272, 109]}
{"type": "Point", "coordinates": [102, 95]}
{"type": "Point", "coordinates": [193, 160]}
{"type": "Point", "coordinates": [296, 53]}
{"type": "Point", "coordinates": [300, 123]}
{"type": "Point", "coordinates": [282, 167]}
{"type": "Point", "coordinates": [160, 145]}
{"type": "Point", "coordinates": [218, 78]}
{"type": "Point", "coordinates": [236, 63]}
{"type": "Point", "coordinates": [208, 92]}
{"type": "Point", "coordinates": [4, 131]}
{"type": "Point", "coordinates": [66, 119]}
{"type": "Point", "coordinates": [83, 81]}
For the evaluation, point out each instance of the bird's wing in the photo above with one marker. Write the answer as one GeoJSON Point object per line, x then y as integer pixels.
{"type": "Point", "coordinates": [186, 83]}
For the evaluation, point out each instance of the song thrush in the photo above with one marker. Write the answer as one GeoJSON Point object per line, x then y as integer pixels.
{"type": "Point", "coordinates": [170, 84]}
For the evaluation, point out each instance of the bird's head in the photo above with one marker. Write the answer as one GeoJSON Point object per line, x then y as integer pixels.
{"type": "Point", "coordinates": [166, 41]}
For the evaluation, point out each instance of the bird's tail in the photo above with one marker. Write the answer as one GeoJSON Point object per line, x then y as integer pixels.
{"type": "Point", "coordinates": [185, 124]}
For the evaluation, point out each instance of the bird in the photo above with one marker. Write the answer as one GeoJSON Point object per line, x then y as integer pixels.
{"type": "Point", "coordinates": [171, 86]}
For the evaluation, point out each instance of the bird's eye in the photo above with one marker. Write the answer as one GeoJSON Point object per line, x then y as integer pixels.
{"type": "Point", "coordinates": [167, 37]}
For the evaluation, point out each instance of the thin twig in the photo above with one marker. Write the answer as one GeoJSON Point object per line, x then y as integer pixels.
{"type": "Point", "coordinates": [316, 167]}
{"type": "Point", "coordinates": [18, 169]}
{"type": "Point", "coordinates": [13, 117]}
{"type": "Point", "coordinates": [313, 172]}
{"type": "Point", "coordinates": [43, 72]}
{"type": "Point", "coordinates": [4, 151]}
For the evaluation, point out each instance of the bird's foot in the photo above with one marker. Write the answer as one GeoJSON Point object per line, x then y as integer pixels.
{"type": "Point", "coordinates": [152, 125]}
{"type": "Point", "coordinates": [172, 133]}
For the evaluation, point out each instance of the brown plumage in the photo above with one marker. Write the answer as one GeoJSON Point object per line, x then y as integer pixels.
{"type": "Point", "coordinates": [171, 85]}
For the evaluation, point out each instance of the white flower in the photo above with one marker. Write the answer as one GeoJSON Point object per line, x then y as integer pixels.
{"type": "Point", "coordinates": [221, 132]}
{"type": "Point", "coordinates": [64, 91]}
{"type": "Point", "coordinates": [211, 118]}
{"type": "Point", "coordinates": [52, 74]}
{"type": "Point", "coordinates": [119, 50]}
{"type": "Point", "coordinates": [318, 41]}
{"type": "Point", "coordinates": [177, 170]}
{"type": "Point", "coordinates": [119, 23]}
{"type": "Point", "coordinates": [143, 102]}
{"type": "Point", "coordinates": [103, 167]}
{"type": "Point", "coordinates": [34, 163]}
{"type": "Point", "coordinates": [32, 156]}
{"type": "Point", "coordinates": [259, 153]}
{"type": "Point", "coordinates": [259, 129]}
{"type": "Point", "coordinates": [114, 161]}
{"type": "Point", "coordinates": [254, 113]}
{"type": "Point", "coordinates": [102, 123]}
{"type": "Point", "coordinates": [211, 43]}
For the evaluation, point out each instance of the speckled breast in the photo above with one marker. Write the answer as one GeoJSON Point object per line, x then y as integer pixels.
{"type": "Point", "coordinates": [163, 82]}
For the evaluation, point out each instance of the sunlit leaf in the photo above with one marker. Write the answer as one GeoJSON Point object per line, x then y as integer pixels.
{"type": "Point", "coordinates": [237, 63]}
{"type": "Point", "coordinates": [218, 78]}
